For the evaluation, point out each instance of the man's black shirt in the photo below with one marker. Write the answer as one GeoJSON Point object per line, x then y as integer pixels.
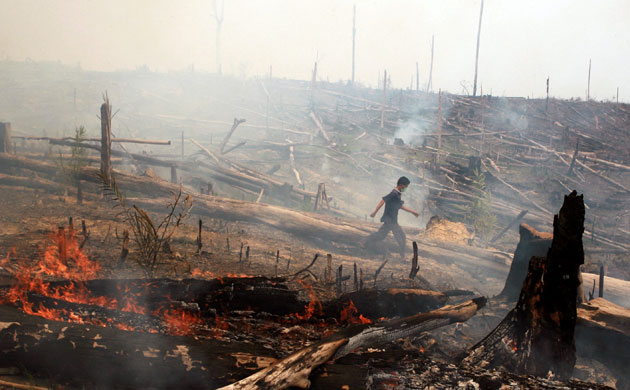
{"type": "Point", "coordinates": [393, 203]}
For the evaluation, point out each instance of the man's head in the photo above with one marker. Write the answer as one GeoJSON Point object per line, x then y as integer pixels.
{"type": "Point", "coordinates": [402, 183]}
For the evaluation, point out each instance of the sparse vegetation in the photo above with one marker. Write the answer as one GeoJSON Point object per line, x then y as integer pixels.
{"type": "Point", "coordinates": [478, 213]}
{"type": "Point", "coordinates": [150, 238]}
{"type": "Point", "coordinates": [71, 167]}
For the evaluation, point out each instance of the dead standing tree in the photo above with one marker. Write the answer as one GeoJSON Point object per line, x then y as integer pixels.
{"type": "Point", "coordinates": [537, 336]}
{"type": "Point", "coordinates": [218, 17]}
{"type": "Point", "coordinates": [477, 53]}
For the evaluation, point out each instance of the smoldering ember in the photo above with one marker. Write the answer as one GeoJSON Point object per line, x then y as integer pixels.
{"type": "Point", "coordinates": [202, 230]}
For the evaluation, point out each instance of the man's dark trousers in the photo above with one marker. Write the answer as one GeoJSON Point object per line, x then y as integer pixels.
{"type": "Point", "coordinates": [381, 233]}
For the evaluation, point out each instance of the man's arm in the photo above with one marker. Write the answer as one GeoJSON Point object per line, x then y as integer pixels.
{"type": "Point", "coordinates": [410, 211]}
{"type": "Point", "coordinates": [378, 207]}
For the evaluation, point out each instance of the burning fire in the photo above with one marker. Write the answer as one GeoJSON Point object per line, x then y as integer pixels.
{"type": "Point", "coordinates": [204, 274]}
{"type": "Point", "coordinates": [314, 305]}
{"type": "Point", "coordinates": [348, 315]}
{"type": "Point", "coordinates": [63, 259]}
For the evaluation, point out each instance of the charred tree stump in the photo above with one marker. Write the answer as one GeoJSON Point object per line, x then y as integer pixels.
{"type": "Point", "coordinates": [537, 336]}
{"type": "Point", "coordinates": [531, 244]}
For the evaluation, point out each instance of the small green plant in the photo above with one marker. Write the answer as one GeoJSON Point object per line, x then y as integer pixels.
{"type": "Point", "coordinates": [478, 213]}
{"type": "Point", "coordinates": [71, 167]}
{"type": "Point", "coordinates": [150, 238]}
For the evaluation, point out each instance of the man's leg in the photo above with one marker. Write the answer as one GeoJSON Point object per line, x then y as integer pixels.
{"type": "Point", "coordinates": [400, 237]}
{"type": "Point", "coordinates": [377, 236]}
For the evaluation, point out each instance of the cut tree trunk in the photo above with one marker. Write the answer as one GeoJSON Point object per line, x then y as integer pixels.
{"type": "Point", "coordinates": [532, 243]}
{"type": "Point", "coordinates": [537, 336]}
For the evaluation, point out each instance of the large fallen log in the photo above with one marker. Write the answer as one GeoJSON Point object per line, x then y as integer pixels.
{"type": "Point", "coordinates": [602, 333]}
{"type": "Point", "coordinates": [294, 370]}
{"type": "Point", "coordinates": [393, 302]}
{"type": "Point", "coordinates": [537, 336]}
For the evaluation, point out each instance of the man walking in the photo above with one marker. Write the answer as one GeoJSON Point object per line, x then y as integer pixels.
{"type": "Point", "coordinates": [393, 203]}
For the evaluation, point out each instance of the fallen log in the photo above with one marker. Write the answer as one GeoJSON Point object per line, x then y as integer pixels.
{"type": "Point", "coordinates": [393, 302]}
{"type": "Point", "coordinates": [320, 127]}
{"type": "Point", "coordinates": [121, 140]}
{"type": "Point", "coordinates": [294, 370]}
{"type": "Point", "coordinates": [602, 333]}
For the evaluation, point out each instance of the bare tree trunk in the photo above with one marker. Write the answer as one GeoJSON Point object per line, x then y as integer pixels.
{"type": "Point", "coordinates": [430, 82]}
{"type": "Point", "coordinates": [384, 99]}
{"type": "Point", "coordinates": [477, 53]}
{"type": "Point", "coordinates": [588, 85]}
{"type": "Point", "coordinates": [106, 139]}
{"type": "Point", "coordinates": [5, 137]}
{"type": "Point", "coordinates": [417, 77]}
{"type": "Point", "coordinates": [218, 17]}
{"type": "Point", "coordinates": [354, 31]}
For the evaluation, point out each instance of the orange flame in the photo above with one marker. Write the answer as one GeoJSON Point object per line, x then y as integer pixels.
{"type": "Point", "coordinates": [314, 305]}
{"type": "Point", "coordinates": [348, 315]}
{"type": "Point", "coordinates": [178, 321]}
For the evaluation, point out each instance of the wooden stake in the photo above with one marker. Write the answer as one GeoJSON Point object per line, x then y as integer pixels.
{"type": "Point", "coordinates": [356, 278]}
{"type": "Point", "coordinates": [477, 52]}
{"type": "Point", "coordinates": [277, 261]}
{"type": "Point", "coordinates": [360, 278]}
{"type": "Point", "coordinates": [339, 277]}
{"type": "Point", "coordinates": [240, 254]}
{"type": "Point", "coordinates": [384, 98]}
{"type": "Point", "coordinates": [329, 267]}
{"type": "Point", "coordinates": [601, 281]}
{"type": "Point", "coordinates": [5, 137]}
{"type": "Point", "coordinates": [125, 247]}
{"type": "Point", "coordinates": [414, 262]}
{"type": "Point", "coordinates": [106, 139]}
{"type": "Point", "coordinates": [182, 145]}
{"type": "Point", "coordinates": [227, 241]}
{"type": "Point", "coordinates": [247, 254]}
{"type": "Point", "coordinates": [173, 174]}
{"type": "Point", "coordinates": [199, 242]}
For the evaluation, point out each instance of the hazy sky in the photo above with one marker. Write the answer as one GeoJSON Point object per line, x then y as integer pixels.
{"type": "Point", "coordinates": [522, 42]}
